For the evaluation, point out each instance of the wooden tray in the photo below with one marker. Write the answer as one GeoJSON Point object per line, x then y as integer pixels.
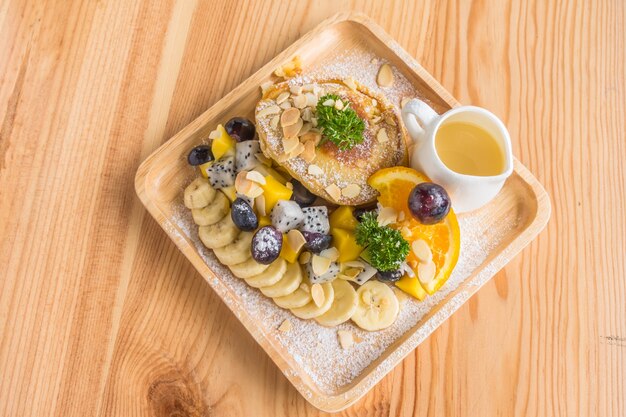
{"type": "Point", "coordinates": [511, 221]}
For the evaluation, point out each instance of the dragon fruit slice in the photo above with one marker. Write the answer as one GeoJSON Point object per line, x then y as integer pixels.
{"type": "Point", "coordinates": [286, 215]}
{"type": "Point", "coordinates": [315, 220]}
{"type": "Point", "coordinates": [244, 155]}
{"type": "Point", "coordinates": [329, 275]}
{"type": "Point", "coordinates": [222, 173]}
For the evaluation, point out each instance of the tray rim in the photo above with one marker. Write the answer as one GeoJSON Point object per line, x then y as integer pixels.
{"type": "Point", "coordinates": [335, 403]}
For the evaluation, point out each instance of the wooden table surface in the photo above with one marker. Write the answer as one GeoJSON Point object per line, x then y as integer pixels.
{"type": "Point", "coordinates": [100, 315]}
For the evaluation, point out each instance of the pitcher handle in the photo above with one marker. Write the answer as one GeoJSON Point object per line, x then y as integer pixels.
{"type": "Point", "coordinates": [417, 115]}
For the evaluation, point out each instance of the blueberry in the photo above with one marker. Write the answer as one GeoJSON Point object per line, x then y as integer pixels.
{"type": "Point", "coordinates": [390, 276]}
{"type": "Point", "coordinates": [240, 129]}
{"type": "Point", "coordinates": [302, 195]}
{"type": "Point", "coordinates": [316, 242]}
{"type": "Point", "coordinates": [243, 216]}
{"type": "Point", "coordinates": [266, 245]}
{"type": "Point", "coordinates": [200, 155]}
{"type": "Point", "coordinates": [429, 203]}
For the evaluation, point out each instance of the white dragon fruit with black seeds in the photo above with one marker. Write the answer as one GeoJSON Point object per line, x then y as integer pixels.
{"type": "Point", "coordinates": [315, 220]}
{"type": "Point", "coordinates": [222, 173]}
{"type": "Point", "coordinates": [286, 215]}
{"type": "Point", "coordinates": [329, 275]}
{"type": "Point", "coordinates": [244, 155]}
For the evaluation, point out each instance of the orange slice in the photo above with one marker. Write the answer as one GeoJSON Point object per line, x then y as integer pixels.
{"type": "Point", "coordinates": [444, 239]}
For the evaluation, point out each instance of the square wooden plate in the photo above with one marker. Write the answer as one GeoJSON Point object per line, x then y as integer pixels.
{"type": "Point", "coordinates": [509, 222]}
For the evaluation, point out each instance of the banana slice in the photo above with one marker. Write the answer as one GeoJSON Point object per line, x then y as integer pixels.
{"type": "Point", "coordinates": [198, 194]}
{"type": "Point", "coordinates": [344, 305]}
{"type": "Point", "coordinates": [214, 212]}
{"type": "Point", "coordinates": [311, 310]}
{"type": "Point", "coordinates": [288, 283]}
{"type": "Point", "coordinates": [219, 234]}
{"type": "Point", "coordinates": [270, 276]}
{"type": "Point", "coordinates": [248, 269]}
{"type": "Point", "coordinates": [377, 306]}
{"type": "Point", "coordinates": [237, 252]}
{"type": "Point", "coordinates": [298, 298]}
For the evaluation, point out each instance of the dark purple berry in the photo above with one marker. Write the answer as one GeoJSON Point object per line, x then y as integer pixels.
{"type": "Point", "coordinates": [266, 245]}
{"type": "Point", "coordinates": [316, 242]}
{"type": "Point", "coordinates": [240, 129]}
{"type": "Point", "coordinates": [429, 203]}
{"type": "Point", "coordinates": [243, 216]}
{"type": "Point", "coordinates": [200, 155]}
{"type": "Point", "coordinates": [390, 276]}
{"type": "Point", "coordinates": [302, 195]}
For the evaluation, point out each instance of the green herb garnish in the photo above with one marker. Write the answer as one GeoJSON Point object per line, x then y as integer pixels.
{"type": "Point", "coordinates": [386, 247]}
{"type": "Point", "coordinates": [342, 127]}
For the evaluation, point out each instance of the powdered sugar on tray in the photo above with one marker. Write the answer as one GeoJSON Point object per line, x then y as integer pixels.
{"type": "Point", "coordinates": [316, 349]}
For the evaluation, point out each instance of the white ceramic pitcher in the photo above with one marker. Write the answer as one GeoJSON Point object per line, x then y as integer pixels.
{"type": "Point", "coordinates": [467, 192]}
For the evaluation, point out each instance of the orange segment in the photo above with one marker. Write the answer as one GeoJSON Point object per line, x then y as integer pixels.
{"type": "Point", "coordinates": [444, 239]}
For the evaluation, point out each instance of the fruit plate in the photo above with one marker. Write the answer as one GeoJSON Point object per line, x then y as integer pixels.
{"type": "Point", "coordinates": [309, 355]}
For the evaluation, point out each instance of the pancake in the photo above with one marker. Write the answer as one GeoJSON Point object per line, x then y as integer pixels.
{"type": "Point", "coordinates": [339, 176]}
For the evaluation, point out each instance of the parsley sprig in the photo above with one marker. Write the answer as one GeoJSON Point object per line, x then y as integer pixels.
{"type": "Point", "coordinates": [343, 127]}
{"type": "Point", "coordinates": [386, 247]}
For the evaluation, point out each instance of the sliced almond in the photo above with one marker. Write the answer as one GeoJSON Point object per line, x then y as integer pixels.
{"type": "Point", "coordinates": [305, 129]}
{"type": "Point", "coordinates": [259, 202]}
{"type": "Point", "coordinates": [297, 151]}
{"type": "Point", "coordinates": [304, 258]}
{"type": "Point", "coordinates": [333, 191]}
{"type": "Point", "coordinates": [215, 134]}
{"type": "Point", "coordinates": [404, 101]}
{"type": "Point", "coordinates": [374, 102]}
{"type": "Point", "coordinates": [241, 182]}
{"type": "Point", "coordinates": [381, 136]}
{"type": "Point", "coordinates": [352, 272]}
{"type": "Point", "coordinates": [339, 105]}
{"type": "Point", "coordinates": [273, 109]}
{"type": "Point", "coordinates": [331, 253]}
{"type": "Point", "coordinates": [406, 232]}
{"type": "Point", "coordinates": [249, 189]}
{"type": "Point", "coordinates": [299, 101]}
{"type": "Point", "coordinates": [376, 120]}
{"type": "Point", "coordinates": [290, 143]}
{"type": "Point", "coordinates": [263, 159]}
{"type": "Point", "coordinates": [385, 76]}
{"type": "Point", "coordinates": [320, 264]}
{"type": "Point", "coordinates": [317, 293]}
{"type": "Point", "coordinates": [265, 86]}
{"type": "Point", "coordinates": [314, 137]}
{"type": "Point", "coordinates": [413, 264]}
{"type": "Point", "coordinates": [353, 264]}
{"type": "Point", "coordinates": [296, 240]}
{"type": "Point", "coordinates": [314, 121]}
{"type": "Point", "coordinates": [285, 105]}
{"type": "Point", "coordinates": [351, 190]}
{"type": "Point", "coordinates": [306, 114]}
{"type": "Point", "coordinates": [350, 83]}
{"type": "Point", "coordinates": [305, 287]}
{"type": "Point", "coordinates": [311, 99]}
{"type": "Point", "coordinates": [329, 103]}
{"type": "Point", "coordinates": [315, 170]}
{"type": "Point", "coordinates": [387, 215]}
{"type": "Point", "coordinates": [274, 121]}
{"type": "Point", "coordinates": [257, 177]}
{"type": "Point", "coordinates": [292, 130]}
{"type": "Point", "coordinates": [285, 326]}
{"type": "Point", "coordinates": [401, 216]}
{"type": "Point", "coordinates": [308, 154]}
{"type": "Point", "coordinates": [289, 117]}
{"type": "Point", "coordinates": [282, 97]}
{"type": "Point", "coordinates": [346, 338]}
{"type": "Point", "coordinates": [426, 271]}
{"type": "Point", "coordinates": [289, 185]}
{"type": "Point", "coordinates": [422, 251]}
{"type": "Point", "coordinates": [295, 89]}
{"type": "Point", "coordinates": [308, 87]}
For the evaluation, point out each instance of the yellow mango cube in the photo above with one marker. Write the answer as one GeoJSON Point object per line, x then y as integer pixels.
{"type": "Point", "coordinates": [223, 144]}
{"type": "Point", "coordinates": [274, 191]}
{"type": "Point", "coordinates": [264, 221]}
{"type": "Point", "coordinates": [230, 192]}
{"type": "Point", "coordinates": [203, 169]}
{"type": "Point", "coordinates": [287, 252]}
{"type": "Point", "coordinates": [411, 286]}
{"type": "Point", "coordinates": [342, 218]}
{"type": "Point", "coordinates": [345, 242]}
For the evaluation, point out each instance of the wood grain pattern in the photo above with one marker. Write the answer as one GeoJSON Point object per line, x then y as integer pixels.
{"type": "Point", "coordinates": [101, 315]}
